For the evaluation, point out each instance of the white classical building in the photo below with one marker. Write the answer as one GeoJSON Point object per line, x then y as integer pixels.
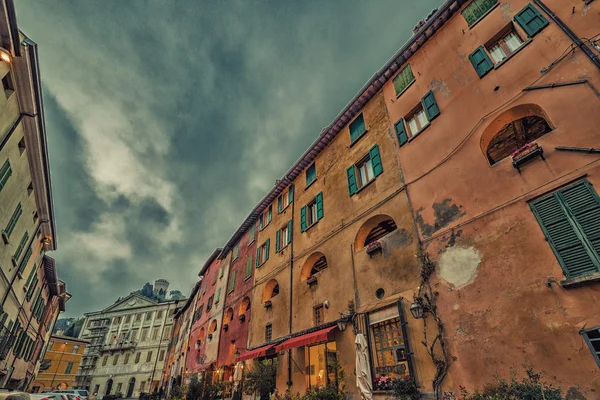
{"type": "Point", "coordinates": [128, 346]}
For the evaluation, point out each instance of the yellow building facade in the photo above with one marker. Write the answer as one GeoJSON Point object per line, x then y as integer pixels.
{"type": "Point", "coordinates": [60, 364]}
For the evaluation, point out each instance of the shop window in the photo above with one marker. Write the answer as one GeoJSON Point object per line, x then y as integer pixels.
{"type": "Point", "coordinates": [389, 350]}
{"type": "Point", "coordinates": [321, 365]}
{"type": "Point", "coordinates": [592, 337]}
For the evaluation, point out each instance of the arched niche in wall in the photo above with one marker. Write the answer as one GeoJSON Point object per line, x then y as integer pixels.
{"type": "Point", "coordinates": [244, 306]}
{"type": "Point", "coordinates": [270, 290]}
{"type": "Point", "coordinates": [213, 326]}
{"type": "Point", "coordinates": [512, 129]}
{"type": "Point", "coordinates": [374, 229]}
{"type": "Point", "coordinates": [228, 315]}
{"type": "Point", "coordinates": [314, 264]}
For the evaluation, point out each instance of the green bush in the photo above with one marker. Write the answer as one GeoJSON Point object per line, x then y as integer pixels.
{"type": "Point", "coordinates": [195, 389]}
{"type": "Point", "coordinates": [405, 389]}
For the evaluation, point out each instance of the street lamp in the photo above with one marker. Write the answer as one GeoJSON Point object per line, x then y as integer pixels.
{"type": "Point", "coordinates": [417, 310]}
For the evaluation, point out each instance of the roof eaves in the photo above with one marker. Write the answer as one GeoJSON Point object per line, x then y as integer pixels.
{"type": "Point", "coordinates": [212, 257]}
{"type": "Point", "coordinates": [433, 23]}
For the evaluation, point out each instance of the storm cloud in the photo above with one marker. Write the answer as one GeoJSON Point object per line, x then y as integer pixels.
{"type": "Point", "coordinates": [169, 120]}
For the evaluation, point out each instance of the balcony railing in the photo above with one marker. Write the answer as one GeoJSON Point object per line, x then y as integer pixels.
{"type": "Point", "coordinates": [118, 346]}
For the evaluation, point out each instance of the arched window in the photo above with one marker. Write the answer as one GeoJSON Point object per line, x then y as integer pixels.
{"type": "Point", "coordinates": [201, 334]}
{"type": "Point", "coordinates": [374, 229]}
{"type": "Point", "coordinates": [513, 129]}
{"type": "Point", "coordinates": [213, 326]}
{"type": "Point", "coordinates": [228, 316]}
{"type": "Point", "coordinates": [244, 306]}
{"type": "Point", "coordinates": [271, 290]}
{"type": "Point", "coordinates": [314, 264]}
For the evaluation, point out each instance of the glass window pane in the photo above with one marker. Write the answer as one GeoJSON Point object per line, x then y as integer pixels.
{"type": "Point", "coordinates": [412, 126]}
{"type": "Point", "coordinates": [497, 53]}
{"type": "Point", "coordinates": [370, 173]}
{"type": "Point", "coordinates": [513, 41]}
{"type": "Point", "coordinates": [423, 121]}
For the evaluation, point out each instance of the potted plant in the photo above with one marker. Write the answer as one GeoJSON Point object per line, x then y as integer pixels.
{"type": "Point", "coordinates": [268, 304]}
{"type": "Point", "coordinates": [525, 153]}
{"type": "Point", "coordinates": [209, 336]}
{"type": "Point", "coordinates": [373, 247]}
{"type": "Point", "coordinates": [242, 317]}
{"type": "Point", "coordinates": [311, 280]}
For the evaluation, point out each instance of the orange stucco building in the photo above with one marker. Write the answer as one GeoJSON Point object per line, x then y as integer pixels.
{"type": "Point", "coordinates": [454, 148]}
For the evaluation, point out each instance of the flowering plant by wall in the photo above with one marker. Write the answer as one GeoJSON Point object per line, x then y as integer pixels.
{"type": "Point", "coordinates": [382, 383]}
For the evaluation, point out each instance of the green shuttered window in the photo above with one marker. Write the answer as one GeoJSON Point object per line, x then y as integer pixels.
{"type": "Point", "coordinates": [481, 62]}
{"type": "Point", "coordinates": [403, 80]}
{"type": "Point", "coordinates": [319, 204]}
{"type": "Point", "coordinates": [5, 173]}
{"type": "Point", "coordinates": [311, 174]}
{"type": "Point", "coordinates": [357, 128]}
{"type": "Point", "coordinates": [251, 234]}
{"type": "Point", "coordinates": [20, 248]}
{"type": "Point", "coordinates": [530, 19]}
{"type": "Point", "coordinates": [236, 251]}
{"type": "Point", "coordinates": [25, 260]}
{"type": "Point", "coordinates": [400, 133]}
{"type": "Point", "coordinates": [310, 214]}
{"type": "Point", "coordinates": [365, 171]}
{"type": "Point", "coordinates": [303, 219]}
{"type": "Point", "coordinates": [249, 267]}
{"type": "Point", "coordinates": [430, 106]}
{"type": "Point", "coordinates": [570, 220]}
{"type": "Point", "coordinates": [477, 9]}
{"type": "Point", "coordinates": [13, 220]}
{"type": "Point", "coordinates": [218, 296]}
{"type": "Point", "coordinates": [232, 282]}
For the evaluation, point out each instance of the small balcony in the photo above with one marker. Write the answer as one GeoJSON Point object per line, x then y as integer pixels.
{"type": "Point", "coordinates": [124, 346]}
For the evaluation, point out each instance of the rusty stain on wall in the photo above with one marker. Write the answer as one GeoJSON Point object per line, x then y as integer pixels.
{"type": "Point", "coordinates": [444, 213]}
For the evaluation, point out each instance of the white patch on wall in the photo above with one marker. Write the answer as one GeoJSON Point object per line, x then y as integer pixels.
{"type": "Point", "coordinates": [458, 265]}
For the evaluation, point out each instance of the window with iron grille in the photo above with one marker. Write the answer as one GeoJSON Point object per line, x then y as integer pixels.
{"type": "Point", "coordinates": [319, 317]}
{"type": "Point", "coordinates": [268, 333]}
{"type": "Point", "coordinates": [388, 344]}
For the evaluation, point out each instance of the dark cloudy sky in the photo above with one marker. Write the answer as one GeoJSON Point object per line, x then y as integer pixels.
{"type": "Point", "coordinates": [168, 120]}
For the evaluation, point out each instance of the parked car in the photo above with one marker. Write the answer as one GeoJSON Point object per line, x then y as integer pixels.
{"type": "Point", "coordinates": [46, 396]}
{"type": "Point", "coordinates": [6, 394]}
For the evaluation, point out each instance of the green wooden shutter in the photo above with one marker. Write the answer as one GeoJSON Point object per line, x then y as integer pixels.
{"type": "Point", "coordinates": [249, 266]}
{"type": "Point", "coordinates": [260, 222]}
{"type": "Point", "coordinates": [357, 128]}
{"type": "Point", "coordinates": [21, 246]}
{"type": "Point", "coordinates": [25, 260]}
{"type": "Point", "coordinates": [319, 202]}
{"type": "Point", "coordinates": [215, 275]}
{"type": "Point", "coordinates": [258, 256]}
{"type": "Point", "coordinates": [530, 19]}
{"type": "Point", "coordinates": [252, 233]}
{"type": "Point", "coordinates": [481, 62]}
{"type": "Point", "coordinates": [403, 79]}
{"type": "Point", "coordinates": [559, 215]}
{"type": "Point", "coordinates": [13, 220]}
{"type": "Point", "coordinates": [376, 160]}
{"type": "Point", "coordinates": [279, 208]}
{"type": "Point", "coordinates": [236, 251]}
{"type": "Point", "coordinates": [5, 173]}
{"type": "Point", "coordinates": [303, 219]}
{"type": "Point", "coordinates": [267, 245]}
{"type": "Point", "coordinates": [270, 214]}
{"type": "Point", "coordinates": [311, 174]}
{"type": "Point", "coordinates": [277, 240]}
{"type": "Point", "coordinates": [400, 133]}
{"type": "Point", "coordinates": [430, 106]}
{"type": "Point", "coordinates": [290, 194]}
{"type": "Point", "coordinates": [232, 282]}
{"type": "Point", "coordinates": [218, 296]}
{"type": "Point", "coordinates": [222, 271]}
{"type": "Point", "coordinates": [352, 187]}
{"type": "Point", "coordinates": [289, 232]}
{"type": "Point", "coordinates": [31, 275]}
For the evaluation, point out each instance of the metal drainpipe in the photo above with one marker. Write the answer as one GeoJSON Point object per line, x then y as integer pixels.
{"type": "Point", "coordinates": [588, 52]}
{"type": "Point", "coordinates": [289, 382]}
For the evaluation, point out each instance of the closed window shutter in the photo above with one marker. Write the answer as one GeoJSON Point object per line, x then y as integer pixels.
{"type": "Point", "coordinates": [430, 106]}
{"type": "Point", "coordinates": [258, 256]}
{"type": "Point", "coordinates": [319, 202]}
{"type": "Point", "coordinates": [277, 240]}
{"type": "Point", "coordinates": [481, 62]}
{"type": "Point", "coordinates": [357, 128]}
{"type": "Point", "coordinates": [531, 20]}
{"type": "Point", "coordinates": [222, 271]}
{"type": "Point", "coordinates": [260, 222]}
{"type": "Point", "coordinates": [279, 208]}
{"type": "Point", "coordinates": [400, 133]}
{"type": "Point", "coordinates": [31, 275]}
{"type": "Point", "coordinates": [267, 245]}
{"type": "Point", "coordinates": [270, 214]}
{"type": "Point", "coordinates": [13, 220]}
{"type": "Point", "coordinates": [232, 282]}
{"type": "Point", "coordinates": [289, 232]}
{"type": "Point", "coordinates": [218, 296]}
{"type": "Point", "coordinates": [5, 173]}
{"type": "Point", "coordinates": [249, 267]}
{"type": "Point", "coordinates": [569, 221]}
{"type": "Point", "coordinates": [252, 233]}
{"type": "Point", "coordinates": [376, 160]}
{"type": "Point", "coordinates": [290, 194]}
{"type": "Point", "coordinates": [352, 187]}
{"type": "Point", "coordinates": [303, 219]}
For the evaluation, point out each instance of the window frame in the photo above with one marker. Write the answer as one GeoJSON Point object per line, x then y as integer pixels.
{"type": "Point", "coordinates": [366, 162]}
{"type": "Point", "coordinates": [407, 67]}
{"type": "Point", "coordinates": [319, 314]}
{"type": "Point", "coordinates": [413, 115]}
{"type": "Point", "coordinates": [333, 351]}
{"type": "Point", "coordinates": [595, 353]}
{"type": "Point", "coordinates": [359, 117]}
{"type": "Point", "coordinates": [311, 208]}
{"type": "Point", "coordinates": [268, 333]}
{"type": "Point", "coordinates": [483, 14]}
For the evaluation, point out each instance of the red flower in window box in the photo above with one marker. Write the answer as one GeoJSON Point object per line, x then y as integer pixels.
{"type": "Point", "coordinates": [268, 304]}
{"type": "Point", "coordinates": [311, 280]}
{"type": "Point", "coordinates": [242, 318]}
{"type": "Point", "coordinates": [373, 247]}
{"type": "Point", "coordinates": [524, 150]}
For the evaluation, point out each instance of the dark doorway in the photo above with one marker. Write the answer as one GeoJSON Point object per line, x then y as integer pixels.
{"type": "Point", "coordinates": [109, 384]}
{"type": "Point", "coordinates": [130, 388]}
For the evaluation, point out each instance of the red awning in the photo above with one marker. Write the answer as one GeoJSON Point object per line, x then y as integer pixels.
{"type": "Point", "coordinates": [323, 335]}
{"type": "Point", "coordinates": [260, 352]}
